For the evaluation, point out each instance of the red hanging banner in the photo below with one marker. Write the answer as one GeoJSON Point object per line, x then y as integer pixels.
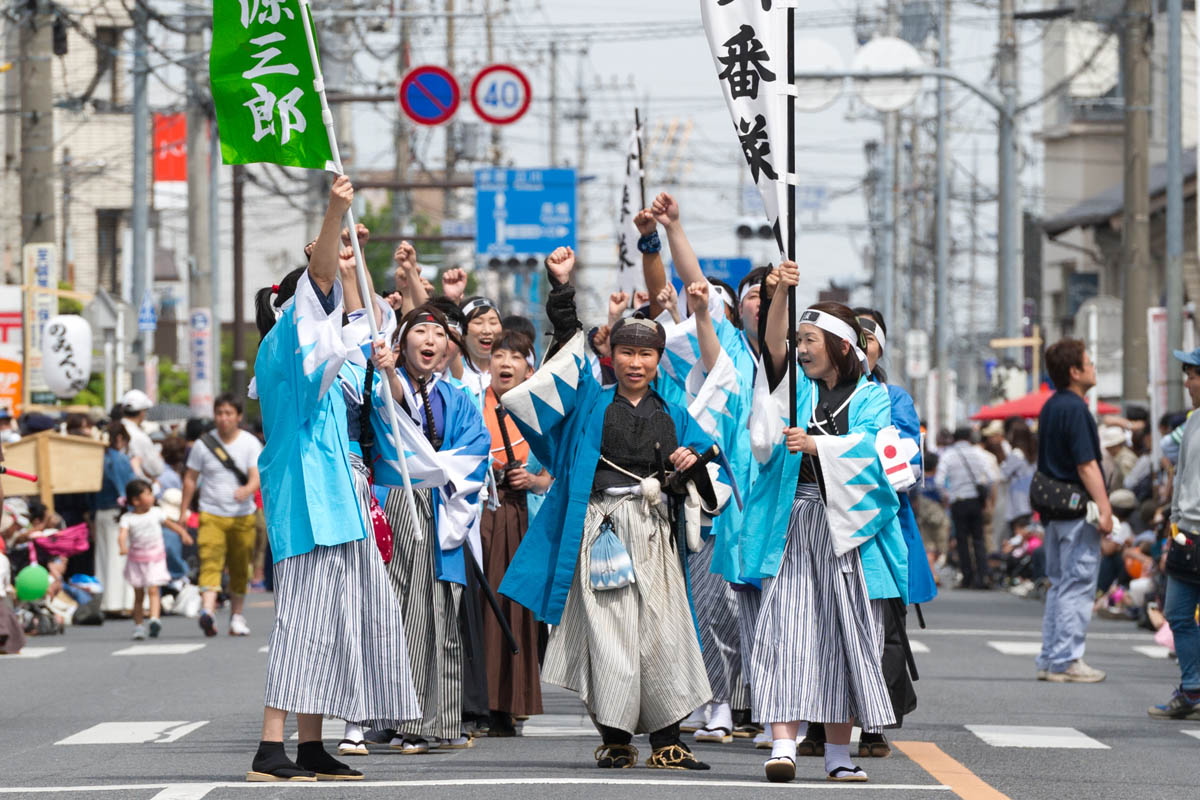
{"type": "Point", "coordinates": [170, 147]}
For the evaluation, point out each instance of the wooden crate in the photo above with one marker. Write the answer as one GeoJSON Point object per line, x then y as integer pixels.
{"type": "Point", "coordinates": [63, 464]}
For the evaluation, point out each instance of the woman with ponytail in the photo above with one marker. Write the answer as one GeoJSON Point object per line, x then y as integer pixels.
{"type": "Point", "coordinates": [337, 647]}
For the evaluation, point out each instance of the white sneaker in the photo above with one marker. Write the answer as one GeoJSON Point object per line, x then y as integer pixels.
{"type": "Point", "coordinates": [238, 626]}
{"type": "Point", "coordinates": [139, 632]}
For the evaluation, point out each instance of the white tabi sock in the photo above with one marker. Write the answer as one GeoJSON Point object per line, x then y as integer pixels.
{"type": "Point", "coordinates": [353, 732]}
{"type": "Point", "coordinates": [801, 732]}
{"type": "Point", "coordinates": [721, 717]}
{"type": "Point", "coordinates": [837, 755]}
{"type": "Point", "coordinates": [784, 748]}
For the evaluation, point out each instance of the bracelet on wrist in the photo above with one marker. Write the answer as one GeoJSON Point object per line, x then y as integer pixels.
{"type": "Point", "coordinates": [650, 243]}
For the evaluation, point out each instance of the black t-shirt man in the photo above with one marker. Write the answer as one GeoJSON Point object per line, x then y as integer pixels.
{"type": "Point", "coordinates": [1067, 436]}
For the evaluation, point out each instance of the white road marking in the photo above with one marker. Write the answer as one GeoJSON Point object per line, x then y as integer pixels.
{"type": "Point", "coordinates": [159, 649]}
{"type": "Point", "coordinates": [35, 652]}
{"type": "Point", "coordinates": [185, 791]}
{"type": "Point", "coordinates": [1193, 733]}
{"type": "Point", "coordinates": [918, 647]}
{"type": "Point", "coordinates": [199, 790]}
{"type": "Point", "coordinates": [1016, 648]}
{"type": "Point", "coordinates": [1035, 736]}
{"type": "Point", "coordinates": [264, 649]}
{"type": "Point", "coordinates": [1153, 650]}
{"type": "Point", "coordinates": [1098, 636]}
{"type": "Point", "coordinates": [134, 733]}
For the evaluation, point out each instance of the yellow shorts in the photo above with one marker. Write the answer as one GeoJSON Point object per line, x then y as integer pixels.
{"type": "Point", "coordinates": [225, 542]}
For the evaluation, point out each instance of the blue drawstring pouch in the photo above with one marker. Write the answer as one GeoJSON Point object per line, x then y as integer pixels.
{"type": "Point", "coordinates": [611, 566]}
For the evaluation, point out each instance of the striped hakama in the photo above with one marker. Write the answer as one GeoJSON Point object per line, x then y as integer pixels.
{"type": "Point", "coordinates": [749, 603]}
{"type": "Point", "coordinates": [818, 643]}
{"type": "Point", "coordinates": [717, 616]}
{"type": "Point", "coordinates": [430, 608]}
{"type": "Point", "coordinates": [338, 646]}
{"type": "Point", "coordinates": [631, 653]}
{"type": "Point", "coordinates": [513, 682]}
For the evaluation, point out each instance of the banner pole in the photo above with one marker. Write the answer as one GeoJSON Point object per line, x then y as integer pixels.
{"type": "Point", "coordinates": [791, 208]}
{"type": "Point", "coordinates": [360, 263]}
{"type": "Point", "coordinates": [637, 128]}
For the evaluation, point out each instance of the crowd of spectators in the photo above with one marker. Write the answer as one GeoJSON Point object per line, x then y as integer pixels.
{"type": "Point", "coordinates": [79, 572]}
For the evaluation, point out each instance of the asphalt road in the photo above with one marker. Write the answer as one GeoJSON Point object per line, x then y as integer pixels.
{"type": "Point", "coordinates": [80, 719]}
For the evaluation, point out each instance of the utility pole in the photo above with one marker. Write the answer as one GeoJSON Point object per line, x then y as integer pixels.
{"type": "Point", "coordinates": [401, 200]}
{"type": "Point", "coordinates": [1135, 227]}
{"type": "Point", "coordinates": [141, 200]}
{"type": "Point", "coordinates": [37, 125]}
{"type": "Point", "coordinates": [68, 249]}
{"type": "Point", "coordinates": [496, 148]}
{"type": "Point", "coordinates": [553, 104]}
{"type": "Point", "coordinates": [1010, 281]}
{"type": "Point", "coordinates": [941, 317]}
{"type": "Point", "coordinates": [1174, 286]}
{"type": "Point", "coordinates": [581, 116]}
{"type": "Point", "coordinates": [239, 276]}
{"type": "Point", "coordinates": [972, 288]}
{"type": "Point", "coordinates": [200, 272]}
{"type": "Point", "coordinates": [885, 287]}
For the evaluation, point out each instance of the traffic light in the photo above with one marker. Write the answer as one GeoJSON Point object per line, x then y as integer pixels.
{"type": "Point", "coordinates": [754, 228]}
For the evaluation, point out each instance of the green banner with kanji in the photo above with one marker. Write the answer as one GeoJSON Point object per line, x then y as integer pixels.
{"type": "Point", "coordinates": [262, 85]}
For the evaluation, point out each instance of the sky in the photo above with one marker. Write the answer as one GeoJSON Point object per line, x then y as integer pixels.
{"type": "Point", "coordinates": [627, 53]}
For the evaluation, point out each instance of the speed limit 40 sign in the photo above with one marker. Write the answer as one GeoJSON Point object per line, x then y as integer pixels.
{"type": "Point", "coordinates": [500, 94]}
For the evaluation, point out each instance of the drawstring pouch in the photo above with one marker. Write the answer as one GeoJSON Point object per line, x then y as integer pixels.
{"type": "Point", "coordinates": [611, 566]}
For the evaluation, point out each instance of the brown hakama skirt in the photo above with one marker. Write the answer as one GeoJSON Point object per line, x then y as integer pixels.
{"type": "Point", "coordinates": [514, 684]}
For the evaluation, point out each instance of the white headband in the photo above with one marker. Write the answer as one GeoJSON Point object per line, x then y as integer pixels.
{"type": "Point", "coordinates": [875, 329]}
{"type": "Point", "coordinates": [747, 289]}
{"type": "Point", "coordinates": [478, 303]}
{"type": "Point", "coordinates": [830, 323]}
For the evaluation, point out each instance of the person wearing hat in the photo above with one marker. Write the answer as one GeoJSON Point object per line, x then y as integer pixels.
{"type": "Point", "coordinates": [144, 453]}
{"type": "Point", "coordinates": [1183, 587]}
{"type": "Point", "coordinates": [1118, 458]}
{"type": "Point", "coordinates": [601, 562]}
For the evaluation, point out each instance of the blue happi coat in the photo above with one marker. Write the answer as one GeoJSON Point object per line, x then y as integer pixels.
{"type": "Point", "coordinates": [307, 486]}
{"type": "Point", "coordinates": [560, 412]}
{"type": "Point", "coordinates": [726, 416]}
{"type": "Point", "coordinates": [861, 504]}
{"type": "Point", "coordinates": [921, 586]}
{"type": "Point", "coordinates": [455, 471]}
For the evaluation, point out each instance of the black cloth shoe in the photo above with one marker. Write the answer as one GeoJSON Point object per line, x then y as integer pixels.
{"type": "Point", "coordinates": [873, 745]}
{"type": "Point", "coordinates": [616, 756]}
{"type": "Point", "coordinates": [271, 764]}
{"type": "Point", "coordinates": [501, 725]}
{"type": "Point", "coordinates": [813, 743]}
{"type": "Point", "coordinates": [674, 756]}
{"type": "Point", "coordinates": [313, 757]}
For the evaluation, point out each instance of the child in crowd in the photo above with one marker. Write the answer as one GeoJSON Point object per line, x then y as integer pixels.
{"type": "Point", "coordinates": [140, 538]}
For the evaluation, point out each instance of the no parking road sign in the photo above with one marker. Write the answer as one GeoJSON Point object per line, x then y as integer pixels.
{"type": "Point", "coordinates": [429, 95]}
{"type": "Point", "coordinates": [500, 94]}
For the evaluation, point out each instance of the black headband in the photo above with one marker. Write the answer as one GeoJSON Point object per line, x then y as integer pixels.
{"type": "Point", "coordinates": [638, 332]}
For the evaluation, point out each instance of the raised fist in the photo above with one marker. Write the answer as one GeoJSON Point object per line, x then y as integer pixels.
{"type": "Point", "coordinates": [561, 263]}
{"type": "Point", "coordinates": [644, 222]}
{"type": "Point", "coordinates": [665, 209]}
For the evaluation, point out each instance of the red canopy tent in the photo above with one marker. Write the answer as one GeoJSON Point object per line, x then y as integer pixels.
{"type": "Point", "coordinates": [1030, 406]}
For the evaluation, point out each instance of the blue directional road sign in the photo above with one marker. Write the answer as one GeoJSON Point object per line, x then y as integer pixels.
{"type": "Point", "coordinates": [147, 314]}
{"type": "Point", "coordinates": [730, 270]}
{"type": "Point", "coordinates": [523, 213]}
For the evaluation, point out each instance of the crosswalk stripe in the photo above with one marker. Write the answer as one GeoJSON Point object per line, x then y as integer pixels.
{"type": "Point", "coordinates": [918, 647]}
{"type": "Point", "coordinates": [1193, 733]}
{"type": "Point", "coordinates": [159, 649]}
{"type": "Point", "coordinates": [1153, 650]}
{"type": "Point", "coordinates": [36, 652]}
{"type": "Point", "coordinates": [134, 733]}
{"type": "Point", "coordinates": [545, 725]}
{"type": "Point", "coordinates": [1035, 736]}
{"type": "Point", "coordinates": [1016, 648]}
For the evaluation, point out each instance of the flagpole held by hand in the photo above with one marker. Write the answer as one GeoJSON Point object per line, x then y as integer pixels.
{"type": "Point", "coordinates": [360, 263]}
